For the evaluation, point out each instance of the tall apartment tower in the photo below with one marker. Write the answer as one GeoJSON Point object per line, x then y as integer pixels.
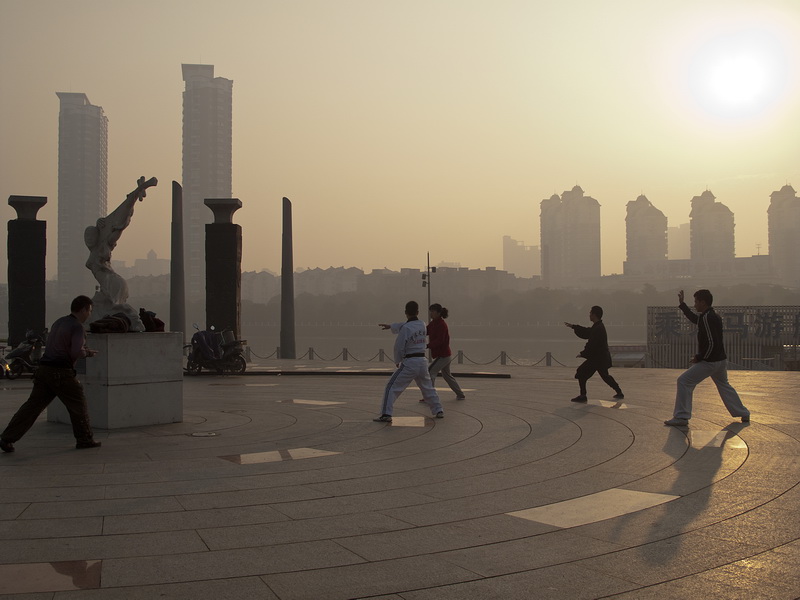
{"type": "Point", "coordinates": [783, 224]}
{"type": "Point", "coordinates": [82, 187]}
{"type": "Point", "coordinates": [678, 242]}
{"type": "Point", "coordinates": [710, 229]}
{"type": "Point", "coordinates": [570, 239]}
{"type": "Point", "coordinates": [519, 259]}
{"type": "Point", "coordinates": [645, 236]}
{"type": "Point", "coordinates": [207, 141]}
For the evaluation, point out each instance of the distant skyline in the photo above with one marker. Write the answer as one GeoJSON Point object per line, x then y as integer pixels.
{"type": "Point", "coordinates": [402, 128]}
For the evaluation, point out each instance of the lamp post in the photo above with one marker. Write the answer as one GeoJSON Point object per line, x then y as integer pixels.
{"type": "Point", "coordinates": [426, 278]}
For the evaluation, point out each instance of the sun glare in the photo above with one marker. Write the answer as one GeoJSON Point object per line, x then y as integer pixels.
{"type": "Point", "coordinates": [739, 75]}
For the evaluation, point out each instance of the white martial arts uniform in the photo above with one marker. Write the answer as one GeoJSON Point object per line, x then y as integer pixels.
{"type": "Point", "coordinates": [410, 341]}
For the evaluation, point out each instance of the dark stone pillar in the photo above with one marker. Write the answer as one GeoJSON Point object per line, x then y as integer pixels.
{"type": "Point", "coordinates": [287, 286]}
{"type": "Point", "coordinates": [224, 266]}
{"type": "Point", "coordinates": [27, 247]}
{"type": "Point", "coordinates": [177, 283]}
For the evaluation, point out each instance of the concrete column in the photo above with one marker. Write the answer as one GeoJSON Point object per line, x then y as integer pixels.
{"type": "Point", "coordinates": [177, 282]}
{"type": "Point", "coordinates": [27, 247]}
{"type": "Point", "coordinates": [288, 349]}
{"type": "Point", "coordinates": [224, 266]}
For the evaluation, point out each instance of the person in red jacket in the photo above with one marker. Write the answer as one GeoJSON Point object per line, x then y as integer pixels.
{"type": "Point", "coordinates": [439, 345]}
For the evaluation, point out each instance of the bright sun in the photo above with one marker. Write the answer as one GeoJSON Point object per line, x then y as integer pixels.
{"type": "Point", "coordinates": [738, 75]}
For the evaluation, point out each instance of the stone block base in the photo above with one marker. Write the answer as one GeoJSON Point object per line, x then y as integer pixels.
{"type": "Point", "coordinates": [135, 379]}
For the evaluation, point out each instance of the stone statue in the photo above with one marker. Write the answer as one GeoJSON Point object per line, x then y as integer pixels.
{"type": "Point", "coordinates": [101, 239]}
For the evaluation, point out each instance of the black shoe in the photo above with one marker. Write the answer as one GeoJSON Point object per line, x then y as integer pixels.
{"type": "Point", "coordinates": [6, 446]}
{"type": "Point", "coordinates": [383, 419]}
{"type": "Point", "coordinates": [440, 415]}
{"type": "Point", "coordinates": [580, 398]}
{"type": "Point", "coordinates": [619, 396]}
{"type": "Point", "coordinates": [89, 444]}
{"type": "Point", "coordinates": [745, 419]}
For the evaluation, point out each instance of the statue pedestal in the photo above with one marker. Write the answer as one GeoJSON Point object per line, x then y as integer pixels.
{"type": "Point", "coordinates": [135, 379]}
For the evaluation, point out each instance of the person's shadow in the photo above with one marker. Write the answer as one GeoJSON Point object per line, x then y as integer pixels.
{"type": "Point", "coordinates": [696, 471]}
{"type": "Point", "coordinates": [85, 574]}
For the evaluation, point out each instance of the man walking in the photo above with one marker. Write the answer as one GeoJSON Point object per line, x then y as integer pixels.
{"type": "Point", "coordinates": [596, 353]}
{"type": "Point", "coordinates": [710, 361]}
{"type": "Point", "coordinates": [409, 357]}
{"type": "Point", "coordinates": [55, 376]}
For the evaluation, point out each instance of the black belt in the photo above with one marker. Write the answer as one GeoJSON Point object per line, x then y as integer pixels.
{"type": "Point", "coordinates": [418, 355]}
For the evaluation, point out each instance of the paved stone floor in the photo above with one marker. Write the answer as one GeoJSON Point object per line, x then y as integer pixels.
{"type": "Point", "coordinates": [282, 487]}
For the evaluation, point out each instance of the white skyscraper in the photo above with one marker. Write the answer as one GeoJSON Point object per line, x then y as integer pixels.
{"type": "Point", "coordinates": [82, 187]}
{"type": "Point", "coordinates": [207, 142]}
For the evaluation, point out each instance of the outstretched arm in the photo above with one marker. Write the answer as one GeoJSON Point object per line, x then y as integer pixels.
{"type": "Point", "coordinates": [693, 317]}
{"type": "Point", "coordinates": [120, 218]}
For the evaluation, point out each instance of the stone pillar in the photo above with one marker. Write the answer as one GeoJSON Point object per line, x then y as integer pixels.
{"type": "Point", "coordinates": [27, 247]}
{"type": "Point", "coordinates": [224, 266]}
{"type": "Point", "coordinates": [177, 282]}
{"type": "Point", "coordinates": [287, 286]}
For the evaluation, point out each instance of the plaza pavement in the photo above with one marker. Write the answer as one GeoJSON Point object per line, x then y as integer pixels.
{"type": "Point", "coordinates": [282, 487]}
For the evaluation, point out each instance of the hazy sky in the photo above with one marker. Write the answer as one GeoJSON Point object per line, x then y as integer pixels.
{"type": "Point", "coordinates": [398, 128]}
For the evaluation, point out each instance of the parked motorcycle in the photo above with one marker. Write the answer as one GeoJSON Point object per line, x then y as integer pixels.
{"type": "Point", "coordinates": [215, 351]}
{"type": "Point", "coordinates": [25, 357]}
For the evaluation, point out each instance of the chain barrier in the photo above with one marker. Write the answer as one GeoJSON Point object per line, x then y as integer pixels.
{"type": "Point", "coordinates": [345, 354]}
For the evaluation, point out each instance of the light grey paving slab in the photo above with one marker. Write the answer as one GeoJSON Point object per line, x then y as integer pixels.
{"type": "Point", "coordinates": [594, 507]}
{"type": "Point", "coordinates": [311, 556]}
{"type": "Point", "coordinates": [365, 580]}
{"type": "Point", "coordinates": [192, 519]}
{"type": "Point", "coordinates": [221, 538]}
{"type": "Point", "coordinates": [92, 508]}
{"type": "Point", "coordinates": [22, 529]}
{"type": "Point", "coordinates": [100, 547]}
{"type": "Point", "coordinates": [241, 588]}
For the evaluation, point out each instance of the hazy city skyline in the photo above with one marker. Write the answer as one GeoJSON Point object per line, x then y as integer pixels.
{"type": "Point", "coordinates": [461, 117]}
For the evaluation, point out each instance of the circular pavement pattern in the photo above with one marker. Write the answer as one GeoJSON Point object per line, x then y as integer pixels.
{"type": "Point", "coordinates": [284, 487]}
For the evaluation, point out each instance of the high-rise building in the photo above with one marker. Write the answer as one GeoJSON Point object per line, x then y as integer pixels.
{"type": "Point", "coordinates": [519, 259]}
{"type": "Point", "coordinates": [678, 242]}
{"type": "Point", "coordinates": [82, 187]}
{"type": "Point", "coordinates": [710, 229]}
{"type": "Point", "coordinates": [645, 235]}
{"type": "Point", "coordinates": [570, 239]}
{"type": "Point", "coordinates": [784, 223]}
{"type": "Point", "coordinates": [207, 142]}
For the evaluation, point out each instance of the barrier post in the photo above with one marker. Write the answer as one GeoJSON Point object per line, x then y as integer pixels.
{"type": "Point", "coordinates": [503, 357]}
{"type": "Point", "coordinates": [380, 355]}
{"type": "Point", "coordinates": [460, 357]}
{"type": "Point", "coordinates": [344, 353]}
{"type": "Point", "coordinates": [278, 352]}
{"type": "Point", "coordinates": [310, 353]}
{"type": "Point", "coordinates": [548, 359]}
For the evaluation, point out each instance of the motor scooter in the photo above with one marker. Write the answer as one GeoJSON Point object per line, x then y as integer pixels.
{"type": "Point", "coordinates": [215, 351]}
{"type": "Point", "coordinates": [25, 357]}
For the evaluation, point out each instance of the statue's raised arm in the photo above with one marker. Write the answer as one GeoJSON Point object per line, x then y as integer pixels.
{"type": "Point", "coordinates": [101, 239]}
{"type": "Point", "coordinates": [121, 217]}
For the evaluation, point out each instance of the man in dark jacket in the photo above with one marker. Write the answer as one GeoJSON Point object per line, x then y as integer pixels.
{"type": "Point", "coordinates": [710, 361]}
{"type": "Point", "coordinates": [55, 376]}
{"type": "Point", "coordinates": [596, 353]}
